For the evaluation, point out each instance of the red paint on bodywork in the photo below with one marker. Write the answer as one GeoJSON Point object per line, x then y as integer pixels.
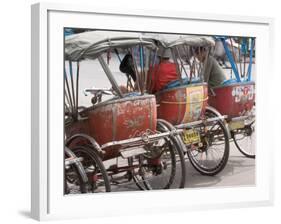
{"type": "Point", "coordinates": [117, 119]}
{"type": "Point", "coordinates": [233, 100]}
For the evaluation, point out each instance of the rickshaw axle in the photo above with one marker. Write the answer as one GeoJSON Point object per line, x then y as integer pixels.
{"type": "Point", "coordinates": [196, 123]}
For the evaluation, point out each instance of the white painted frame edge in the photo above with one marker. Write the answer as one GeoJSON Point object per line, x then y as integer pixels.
{"type": "Point", "coordinates": [39, 84]}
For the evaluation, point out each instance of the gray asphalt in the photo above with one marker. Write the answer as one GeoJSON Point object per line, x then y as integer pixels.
{"type": "Point", "coordinates": [239, 171]}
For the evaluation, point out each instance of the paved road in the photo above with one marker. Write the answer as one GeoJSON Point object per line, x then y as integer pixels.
{"type": "Point", "coordinates": [239, 171]}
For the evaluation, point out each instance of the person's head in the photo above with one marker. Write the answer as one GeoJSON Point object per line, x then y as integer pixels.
{"type": "Point", "coordinates": [200, 53]}
{"type": "Point", "coordinates": [164, 55]}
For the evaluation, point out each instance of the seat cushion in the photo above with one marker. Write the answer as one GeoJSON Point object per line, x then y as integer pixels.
{"type": "Point", "coordinates": [185, 81]}
{"type": "Point", "coordinates": [229, 81]}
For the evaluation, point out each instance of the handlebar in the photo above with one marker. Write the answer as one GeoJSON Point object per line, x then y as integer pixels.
{"type": "Point", "coordinates": [98, 91]}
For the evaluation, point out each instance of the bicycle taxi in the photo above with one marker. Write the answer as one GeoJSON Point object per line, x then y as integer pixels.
{"type": "Point", "coordinates": [236, 96]}
{"type": "Point", "coordinates": [184, 104]}
{"type": "Point", "coordinates": [116, 134]}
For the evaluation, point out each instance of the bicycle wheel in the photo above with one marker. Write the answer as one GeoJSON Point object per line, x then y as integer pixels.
{"type": "Point", "coordinates": [98, 180]}
{"type": "Point", "coordinates": [162, 166]}
{"type": "Point", "coordinates": [245, 139]}
{"type": "Point", "coordinates": [75, 176]}
{"type": "Point", "coordinates": [210, 156]}
{"type": "Point", "coordinates": [136, 173]}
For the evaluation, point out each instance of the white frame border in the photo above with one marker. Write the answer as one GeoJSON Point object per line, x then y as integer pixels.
{"type": "Point", "coordinates": [39, 111]}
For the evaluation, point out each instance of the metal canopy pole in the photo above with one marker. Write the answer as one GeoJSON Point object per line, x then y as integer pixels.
{"type": "Point", "coordinates": [110, 76]}
{"type": "Point", "coordinates": [249, 73]}
{"type": "Point", "coordinates": [177, 66]}
{"type": "Point", "coordinates": [77, 85]}
{"type": "Point", "coordinates": [71, 104]}
{"type": "Point", "coordinates": [72, 83]}
{"type": "Point", "coordinates": [182, 65]}
{"type": "Point", "coordinates": [231, 60]}
{"type": "Point", "coordinates": [141, 68]}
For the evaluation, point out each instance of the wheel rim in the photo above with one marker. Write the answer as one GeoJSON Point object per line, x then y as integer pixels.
{"type": "Point", "coordinates": [97, 178]}
{"type": "Point", "coordinates": [245, 140]}
{"type": "Point", "coordinates": [157, 167]}
{"type": "Point", "coordinates": [73, 181]}
{"type": "Point", "coordinates": [212, 156]}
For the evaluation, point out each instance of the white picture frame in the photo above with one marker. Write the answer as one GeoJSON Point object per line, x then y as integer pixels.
{"type": "Point", "coordinates": [48, 201]}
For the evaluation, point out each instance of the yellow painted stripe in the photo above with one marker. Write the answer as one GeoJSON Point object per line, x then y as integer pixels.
{"type": "Point", "coordinates": [171, 102]}
{"type": "Point", "coordinates": [194, 103]}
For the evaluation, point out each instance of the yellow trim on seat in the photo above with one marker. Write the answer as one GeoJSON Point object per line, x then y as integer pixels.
{"type": "Point", "coordinates": [170, 102]}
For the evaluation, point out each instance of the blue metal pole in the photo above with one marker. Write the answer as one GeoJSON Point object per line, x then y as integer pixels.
{"type": "Point", "coordinates": [231, 60]}
{"type": "Point", "coordinates": [141, 57]}
{"type": "Point", "coordinates": [249, 73]}
{"type": "Point", "coordinates": [142, 68]}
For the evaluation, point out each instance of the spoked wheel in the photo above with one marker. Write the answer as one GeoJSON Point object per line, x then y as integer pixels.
{"type": "Point", "coordinates": [98, 180]}
{"type": "Point", "coordinates": [210, 155]}
{"type": "Point", "coordinates": [73, 183]}
{"type": "Point", "coordinates": [136, 173]}
{"type": "Point", "coordinates": [245, 138]}
{"type": "Point", "coordinates": [162, 166]}
{"type": "Point", "coordinates": [75, 176]}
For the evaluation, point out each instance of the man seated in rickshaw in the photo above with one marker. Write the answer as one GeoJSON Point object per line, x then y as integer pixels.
{"type": "Point", "coordinates": [213, 73]}
{"type": "Point", "coordinates": [127, 67]}
{"type": "Point", "coordinates": [163, 73]}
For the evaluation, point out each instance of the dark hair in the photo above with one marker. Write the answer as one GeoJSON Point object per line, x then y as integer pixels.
{"type": "Point", "coordinates": [126, 66]}
{"type": "Point", "coordinates": [199, 49]}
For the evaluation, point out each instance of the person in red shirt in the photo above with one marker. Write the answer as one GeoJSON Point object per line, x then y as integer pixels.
{"type": "Point", "coordinates": [163, 73]}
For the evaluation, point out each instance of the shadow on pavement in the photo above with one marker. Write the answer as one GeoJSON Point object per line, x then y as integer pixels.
{"type": "Point", "coordinates": [236, 165]}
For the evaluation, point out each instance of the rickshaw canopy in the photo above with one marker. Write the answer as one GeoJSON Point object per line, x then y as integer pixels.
{"type": "Point", "coordinates": [89, 45]}
{"type": "Point", "coordinates": [192, 41]}
{"type": "Point", "coordinates": [171, 40]}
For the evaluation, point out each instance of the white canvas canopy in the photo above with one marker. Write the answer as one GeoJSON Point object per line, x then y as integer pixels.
{"type": "Point", "coordinates": [193, 41]}
{"type": "Point", "coordinates": [89, 45]}
{"type": "Point", "coordinates": [171, 40]}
